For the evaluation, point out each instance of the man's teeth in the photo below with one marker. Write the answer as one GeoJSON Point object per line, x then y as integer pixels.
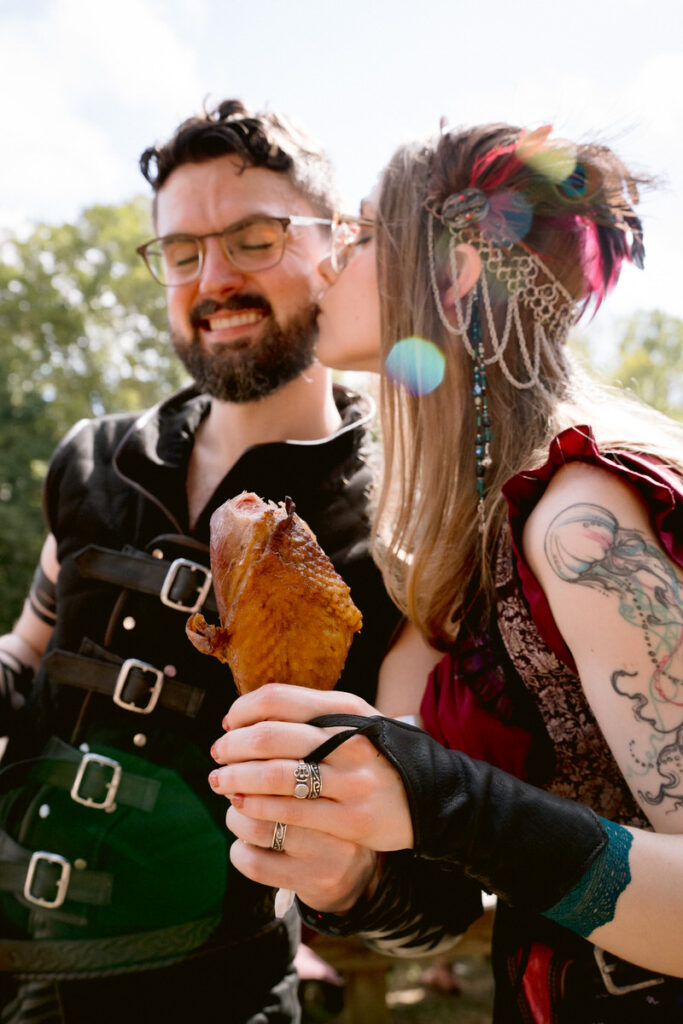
{"type": "Point", "coordinates": [238, 320]}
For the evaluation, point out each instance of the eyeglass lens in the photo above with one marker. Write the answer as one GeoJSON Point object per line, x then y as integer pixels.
{"type": "Point", "coordinates": [342, 245]}
{"type": "Point", "coordinates": [254, 245]}
{"type": "Point", "coordinates": [346, 236]}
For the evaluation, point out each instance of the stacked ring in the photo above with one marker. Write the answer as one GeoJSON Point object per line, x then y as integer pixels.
{"type": "Point", "coordinates": [307, 781]}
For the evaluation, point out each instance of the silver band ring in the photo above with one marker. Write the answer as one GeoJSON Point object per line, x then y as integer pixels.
{"type": "Point", "coordinates": [316, 782]}
{"type": "Point", "coordinates": [279, 833]}
{"type": "Point", "coordinates": [307, 781]}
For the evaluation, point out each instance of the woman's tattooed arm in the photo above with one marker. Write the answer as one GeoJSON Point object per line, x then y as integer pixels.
{"type": "Point", "coordinates": [585, 545]}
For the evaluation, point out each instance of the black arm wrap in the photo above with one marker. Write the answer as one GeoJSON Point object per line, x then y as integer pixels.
{"type": "Point", "coordinates": [43, 597]}
{"type": "Point", "coordinates": [418, 907]}
{"type": "Point", "coordinates": [527, 846]}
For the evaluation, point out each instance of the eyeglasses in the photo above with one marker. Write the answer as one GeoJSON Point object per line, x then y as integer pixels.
{"type": "Point", "coordinates": [256, 243]}
{"type": "Point", "coordinates": [348, 232]}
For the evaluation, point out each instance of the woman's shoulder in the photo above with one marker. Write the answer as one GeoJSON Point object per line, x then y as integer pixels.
{"type": "Point", "coordinates": [580, 496]}
{"type": "Point", "coordinates": [581, 488]}
{"type": "Point", "coordinates": [579, 473]}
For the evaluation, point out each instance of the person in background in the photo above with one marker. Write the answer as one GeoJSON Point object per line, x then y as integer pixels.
{"type": "Point", "coordinates": [117, 899]}
{"type": "Point", "coordinates": [530, 524]}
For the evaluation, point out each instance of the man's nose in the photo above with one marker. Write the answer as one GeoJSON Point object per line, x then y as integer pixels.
{"type": "Point", "coordinates": [219, 274]}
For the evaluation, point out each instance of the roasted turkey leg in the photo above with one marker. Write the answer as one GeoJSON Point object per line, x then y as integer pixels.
{"type": "Point", "coordinates": [286, 615]}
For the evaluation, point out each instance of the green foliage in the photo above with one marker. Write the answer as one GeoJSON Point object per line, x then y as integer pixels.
{"type": "Point", "coordinates": [82, 332]}
{"type": "Point", "coordinates": [648, 360]}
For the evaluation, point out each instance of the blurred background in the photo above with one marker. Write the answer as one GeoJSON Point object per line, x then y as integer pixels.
{"type": "Point", "coordinates": [85, 87]}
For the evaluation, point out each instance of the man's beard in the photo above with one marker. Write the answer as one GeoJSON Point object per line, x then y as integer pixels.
{"type": "Point", "coordinates": [246, 374]}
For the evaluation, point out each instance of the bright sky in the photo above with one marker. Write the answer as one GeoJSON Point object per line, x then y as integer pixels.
{"type": "Point", "coordinates": [86, 85]}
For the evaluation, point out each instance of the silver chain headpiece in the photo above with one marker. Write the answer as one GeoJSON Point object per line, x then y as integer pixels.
{"type": "Point", "coordinates": [526, 278]}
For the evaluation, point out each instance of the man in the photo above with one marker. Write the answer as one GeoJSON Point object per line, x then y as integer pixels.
{"type": "Point", "coordinates": [117, 896]}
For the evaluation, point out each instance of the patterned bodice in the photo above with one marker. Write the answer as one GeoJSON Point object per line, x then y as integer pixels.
{"type": "Point", "coordinates": [585, 769]}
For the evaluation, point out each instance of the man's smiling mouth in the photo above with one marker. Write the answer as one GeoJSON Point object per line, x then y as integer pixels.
{"type": "Point", "coordinates": [242, 319]}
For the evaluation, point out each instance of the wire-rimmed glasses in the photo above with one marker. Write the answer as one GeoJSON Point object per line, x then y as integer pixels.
{"type": "Point", "coordinates": [348, 232]}
{"type": "Point", "coordinates": [255, 243]}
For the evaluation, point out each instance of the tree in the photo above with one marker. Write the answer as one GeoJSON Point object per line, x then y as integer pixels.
{"type": "Point", "coordinates": [82, 332]}
{"type": "Point", "coordinates": [647, 360]}
{"type": "Point", "coordinates": [650, 361]}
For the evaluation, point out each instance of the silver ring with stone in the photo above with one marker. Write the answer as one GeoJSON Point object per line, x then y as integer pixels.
{"type": "Point", "coordinates": [302, 780]}
{"type": "Point", "coordinates": [307, 781]}
{"type": "Point", "coordinates": [278, 840]}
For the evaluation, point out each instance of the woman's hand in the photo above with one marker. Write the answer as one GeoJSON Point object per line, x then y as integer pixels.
{"type": "Point", "coordinates": [362, 799]}
{"type": "Point", "coordinates": [328, 874]}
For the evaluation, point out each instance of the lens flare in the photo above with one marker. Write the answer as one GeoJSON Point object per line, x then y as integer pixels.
{"type": "Point", "coordinates": [556, 163]}
{"type": "Point", "coordinates": [508, 219]}
{"type": "Point", "coordinates": [530, 142]}
{"type": "Point", "coordinates": [416, 365]}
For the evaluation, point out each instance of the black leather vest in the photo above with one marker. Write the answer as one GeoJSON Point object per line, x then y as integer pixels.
{"type": "Point", "coordinates": [120, 674]}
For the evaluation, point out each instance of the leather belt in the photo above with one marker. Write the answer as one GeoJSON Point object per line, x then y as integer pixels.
{"type": "Point", "coordinates": [133, 685]}
{"type": "Point", "coordinates": [182, 584]}
{"type": "Point", "coordinates": [48, 879]}
{"type": "Point", "coordinates": [94, 780]}
{"type": "Point", "coordinates": [47, 958]}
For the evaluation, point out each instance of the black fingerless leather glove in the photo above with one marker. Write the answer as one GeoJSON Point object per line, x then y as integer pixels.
{"type": "Point", "coordinates": [525, 845]}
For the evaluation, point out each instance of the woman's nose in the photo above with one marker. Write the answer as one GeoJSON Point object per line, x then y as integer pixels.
{"type": "Point", "coordinates": [325, 270]}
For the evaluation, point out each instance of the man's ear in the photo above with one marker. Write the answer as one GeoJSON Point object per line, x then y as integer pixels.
{"type": "Point", "coordinates": [468, 264]}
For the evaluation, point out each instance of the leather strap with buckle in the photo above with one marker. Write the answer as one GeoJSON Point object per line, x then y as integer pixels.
{"type": "Point", "coordinates": [182, 584]}
{"type": "Point", "coordinates": [133, 685]}
{"type": "Point", "coordinates": [620, 977]}
{"type": "Point", "coordinates": [46, 879]}
{"type": "Point", "coordinates": [96, 781]}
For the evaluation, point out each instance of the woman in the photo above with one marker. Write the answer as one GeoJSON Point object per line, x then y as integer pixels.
{"type": "Point", "coordinates": [530, 527]}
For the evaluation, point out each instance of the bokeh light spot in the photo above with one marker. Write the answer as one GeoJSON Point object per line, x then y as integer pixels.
{"type": "Point", "coordinates": [529, 142]}
{"type": "Point", "coordinates": [416, 365]}
{"type": "Point", "coordinates": [508, 219]}
{"type": "Point", "coordinates": [557, 163]}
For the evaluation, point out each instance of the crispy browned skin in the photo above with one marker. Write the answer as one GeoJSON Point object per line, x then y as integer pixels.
{"type": "Point", "coordinates": [286, 615]}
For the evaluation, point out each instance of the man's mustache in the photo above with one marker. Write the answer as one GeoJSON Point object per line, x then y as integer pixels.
{"type": "Point", "coordinates": [236, 302]}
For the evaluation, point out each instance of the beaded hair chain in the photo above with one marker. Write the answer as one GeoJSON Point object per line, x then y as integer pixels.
{"type": "Point", "coordinates": [483, 442]}
{"type": "Point", "coordinates": [528, 282]}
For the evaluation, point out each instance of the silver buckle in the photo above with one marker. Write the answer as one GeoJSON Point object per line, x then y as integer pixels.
{"type": "Point", "coordinates": [171, 575]}
{"type": "Point", "coordinates": [154, 693]}
{"type": "Point", "coordinates": [606, 970]}
{"type": "Point", "coordinates": [62, 882]}
{"type": "Point", "coordinates": [111, 787]}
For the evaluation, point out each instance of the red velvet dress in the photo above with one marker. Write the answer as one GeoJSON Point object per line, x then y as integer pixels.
{"type": "Point", "coordinates": [508, 693]}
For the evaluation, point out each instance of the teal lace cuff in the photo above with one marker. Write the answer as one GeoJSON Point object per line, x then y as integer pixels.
{"type": "Point", "coordinates": [592, 901]}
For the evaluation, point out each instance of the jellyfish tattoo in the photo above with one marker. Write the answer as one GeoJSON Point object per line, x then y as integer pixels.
{"type": "Point", "coordinates": [585, 545]}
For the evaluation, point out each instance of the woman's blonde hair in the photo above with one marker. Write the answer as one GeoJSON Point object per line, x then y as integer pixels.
{"type": "Point", "coordinates": [427, 539]}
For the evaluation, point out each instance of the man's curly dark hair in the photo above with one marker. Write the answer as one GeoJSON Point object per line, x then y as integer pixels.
{"type": "Point", "coordinates": [260, 139]}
